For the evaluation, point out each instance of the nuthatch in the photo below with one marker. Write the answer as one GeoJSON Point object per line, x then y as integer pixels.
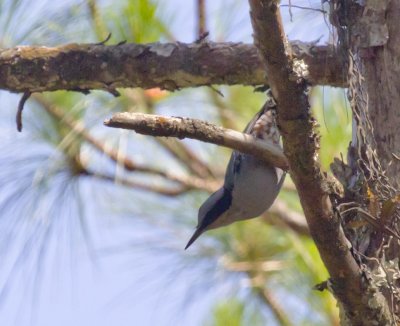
{"type": "Point", "coordinates": [250, 185]}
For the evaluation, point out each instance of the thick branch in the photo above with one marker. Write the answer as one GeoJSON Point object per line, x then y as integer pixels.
{"type": "Point", "coordinates": [155, 125]}
{"type": "Point", "coordinates": [301, 145]}
{"type": "Point", "coordinates": [169, 66]}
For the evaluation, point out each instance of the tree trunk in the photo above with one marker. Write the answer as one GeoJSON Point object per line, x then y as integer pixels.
{"type": "Point", "coordinates": [369, 38]}
{"type": "Point", "coordinates": [380, 67]}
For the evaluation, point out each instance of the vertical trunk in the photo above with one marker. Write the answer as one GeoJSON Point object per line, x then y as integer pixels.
{"type": "Point", "coordinates": [380, 67]}
{"type": "Point", "coordinates": [369, 36]}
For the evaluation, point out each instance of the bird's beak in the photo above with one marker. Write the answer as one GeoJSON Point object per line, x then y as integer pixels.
{"type": "Point", "coordinates": [196, 234]}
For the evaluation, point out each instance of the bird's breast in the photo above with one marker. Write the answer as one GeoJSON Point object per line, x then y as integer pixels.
{"type": "Point", "coordinates": [255, 189]}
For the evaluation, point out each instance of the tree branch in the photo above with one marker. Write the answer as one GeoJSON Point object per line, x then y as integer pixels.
{"type": "Point", "coordinates": [258, 284]}
{"type": "Point", "coordinates": [189, 182]}
{"type": "Point", "coordinates": [281, 215]}
{"type": "Point", "coordinates": [186, 157]}
{"type": "Point", "coordinates": [169, 66]}
{"type": "Point", "coordinates": [201, 17]}
{"type": "Point", "coordinates": [156, 125]}
{"type": "Point", "coordinates": [301, 143]}
{"type": "Point", "coordinates": [162, 190]}
{"type": "Point", "coordinates": [179, 150]}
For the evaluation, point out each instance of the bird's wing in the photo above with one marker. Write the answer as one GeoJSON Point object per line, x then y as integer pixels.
{"type": "Point", "coordinates": [232, 169]}
{"type": "Point", "coordinates": [234, 164]}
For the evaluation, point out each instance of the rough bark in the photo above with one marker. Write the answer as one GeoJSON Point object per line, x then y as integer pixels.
{"type": "Point", "coordinates": [380, 68]}
{"type": "Point", "coordinates": [169, 66]}
{"type": "Point", "coordinates": [360, 301]}
{"type": "Point", "coordinates": [156, 125]}
{"type": "Point", "coordinates": [368, 34]}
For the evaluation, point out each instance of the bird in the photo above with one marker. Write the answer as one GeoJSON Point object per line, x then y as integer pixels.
{"type": "Point", "coordinates": [250, 185]}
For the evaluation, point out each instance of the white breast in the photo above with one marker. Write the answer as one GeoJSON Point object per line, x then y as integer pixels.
{"type": "Point", "coordinates": [256, 186]}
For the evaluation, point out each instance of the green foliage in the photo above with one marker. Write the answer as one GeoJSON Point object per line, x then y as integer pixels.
{"type": "Point", "coordinates": [333, 113]}
{"type": "Point", "coordinates": [228, 313]}
{"type": "Point", "coordinates": [135, 21]}
{"type": "Point", "coordinates": [235, 312]}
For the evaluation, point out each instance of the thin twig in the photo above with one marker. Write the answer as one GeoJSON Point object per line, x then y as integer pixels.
{"type": "Point", "coordinates": [97, 21]}
{"type": "Point", "coordinates": [290, 11]}
{"type": "Point", "coordinates": [201, 18]}
{"type": "Point", "coordinates": [21, 104]}
{"type": "Point", "coordinates": [372, 220]}
{"type": "Point", "coordinates": [226, 114]}
{"type": "Point", "coordinates": [191, 182]}
{"type": "Point", "coordinates": [252, 266]}
{"type": "Point", "coordinates": [105, 40]}
{"type": "Point", "coordinates": [259, 286]}
{"type": "Point", "coordinates": [275, 307]}
{"type": "Point", "coordinates": [305, 8]}
{"type": "Point", "coordinates": [166, 191]}
{"type": "Point", "coordinates": [185, 156]}
{"type": "Point", "coordinates": [179, 150]}
{"type": "Point", "coordinates": [282, 216]}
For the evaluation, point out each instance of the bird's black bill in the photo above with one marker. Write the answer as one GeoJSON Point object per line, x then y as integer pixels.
{"type": "Point", "coordinates": [196, 234]}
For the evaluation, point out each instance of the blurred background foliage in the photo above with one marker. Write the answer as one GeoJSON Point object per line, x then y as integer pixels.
{"type": "Point", "coordinates": [94, 221]}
